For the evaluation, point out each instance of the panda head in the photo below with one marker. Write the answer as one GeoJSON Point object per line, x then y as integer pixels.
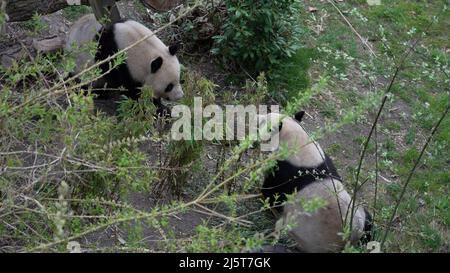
{"type": "Point", "coordinates": [305, 152]}
{"type": "Point", "coordinates": [164, 76]}
{"type": "Point", "coordinates": [287, 129]}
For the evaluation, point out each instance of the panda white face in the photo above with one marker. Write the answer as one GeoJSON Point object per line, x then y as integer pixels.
{"type": "Point", "coordinates": [150, 62]}
{"type": "Point", "coordinates": [164, 78]}
{"type": "Point", "coordinates": [268, 125]}
{"type": "Point", "coordinates": [306, 153]}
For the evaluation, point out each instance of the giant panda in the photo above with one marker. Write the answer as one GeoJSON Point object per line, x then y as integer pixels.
{"type": "Point", "coordinates": [308, 173]}
{"type": "Point", "coordinates": [149, 63]}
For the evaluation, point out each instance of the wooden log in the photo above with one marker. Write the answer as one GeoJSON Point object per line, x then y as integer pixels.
{"type": "Point", "coordinates": [12, 55]}
{"type": "Point", "coordinates": [49, 44]}
{"type": "Point", "coordinates": [22, 10]}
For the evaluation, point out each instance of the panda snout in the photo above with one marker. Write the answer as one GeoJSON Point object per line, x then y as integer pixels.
{"type": "Point", "coordinates": [176, 95]}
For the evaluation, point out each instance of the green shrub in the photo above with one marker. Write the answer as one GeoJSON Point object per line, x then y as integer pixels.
{"type": "Point", "coordinates": [257, 34]}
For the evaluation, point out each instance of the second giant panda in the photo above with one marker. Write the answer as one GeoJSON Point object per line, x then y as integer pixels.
{"type": "Point", "coordinates": [149, 63]}
{"type": "Point", "coordinates": [309, 173]}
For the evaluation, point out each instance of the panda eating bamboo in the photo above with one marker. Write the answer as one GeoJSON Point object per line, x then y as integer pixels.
{"type": "Point", "coordinates": [149, 63]}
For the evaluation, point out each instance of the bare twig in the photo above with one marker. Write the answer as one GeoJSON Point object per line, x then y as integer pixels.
{"type": "Point", "coordinates": [376, 176]}
{"type": "Point", "coordinates": [363, 154]}
{"type": "Point", "coordinates": [220, 215]}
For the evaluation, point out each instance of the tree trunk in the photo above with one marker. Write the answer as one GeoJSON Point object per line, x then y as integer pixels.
{"type": "Point", "coordinates": [21, 10]}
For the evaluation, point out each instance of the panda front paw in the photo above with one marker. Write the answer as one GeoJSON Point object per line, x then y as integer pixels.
{"type": "Point", "coordinates": [163, 112]}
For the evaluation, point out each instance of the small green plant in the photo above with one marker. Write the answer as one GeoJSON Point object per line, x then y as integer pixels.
{"type": "Point", "coordinates": [184, 155]}
{"type": "Point", "coordinates": [137, 115]}
{"type": "Point", "coordinates": [258, 34]}
{"type": "Point", "coordinates": [74, 12]}
{"type": "Point", "coordinates": [36, 24]}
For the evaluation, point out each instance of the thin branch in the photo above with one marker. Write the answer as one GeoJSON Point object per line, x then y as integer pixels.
{"type": "Point", "coordinates": [211, 212]}
{"type": "Point", "coordinates": [363, 154]}
{"type": "Point", "coordinates": [364, 41]}
{"type": "Point", "coordinates": [375, 197]}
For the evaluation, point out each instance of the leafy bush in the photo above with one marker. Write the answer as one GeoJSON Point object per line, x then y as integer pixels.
{"type": "Point", "coordinates": [257, 34]}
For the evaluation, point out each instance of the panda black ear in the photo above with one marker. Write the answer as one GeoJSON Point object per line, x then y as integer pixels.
{"type": "Point", "coordinates": [299, 116]}
{"type": "Point", "coordinates": [173, 49]}
{"type": "Point", "coordinates": [156, 64]}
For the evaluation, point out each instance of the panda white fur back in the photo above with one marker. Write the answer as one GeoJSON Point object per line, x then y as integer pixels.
{"type": "Point", "coordinates": [321, 231]}
{"type": "Point", "coordinates": [311, 173]}
{"type": "Point", "coordinates": [149, 63]}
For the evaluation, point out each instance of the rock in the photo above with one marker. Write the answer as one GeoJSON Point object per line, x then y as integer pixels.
{"type": "Point", "coordinates": [12, 55]}
{"type": "Point", "coordinates": [49, 45]}
{"type": "Point", "coordinates": [7, 61]}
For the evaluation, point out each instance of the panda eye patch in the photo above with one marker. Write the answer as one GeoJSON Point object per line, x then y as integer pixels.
{"type": "Point", "coordinates": [169, 88]}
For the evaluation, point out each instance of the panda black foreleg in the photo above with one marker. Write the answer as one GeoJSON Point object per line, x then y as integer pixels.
{"type": "Point", "coordinates": [369, 228]}
{"type": "Point", "coordinates": [134, 93]}
{"type": "Point", "coordinates": [101, 90]}
{"type": "Point", "coordinates": [85, 87]}
{"type": "Point", "coordinates": [161, 110]}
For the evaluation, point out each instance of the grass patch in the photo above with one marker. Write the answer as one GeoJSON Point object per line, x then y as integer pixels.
{"type": "Point", "coordinates": [291, 76]}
